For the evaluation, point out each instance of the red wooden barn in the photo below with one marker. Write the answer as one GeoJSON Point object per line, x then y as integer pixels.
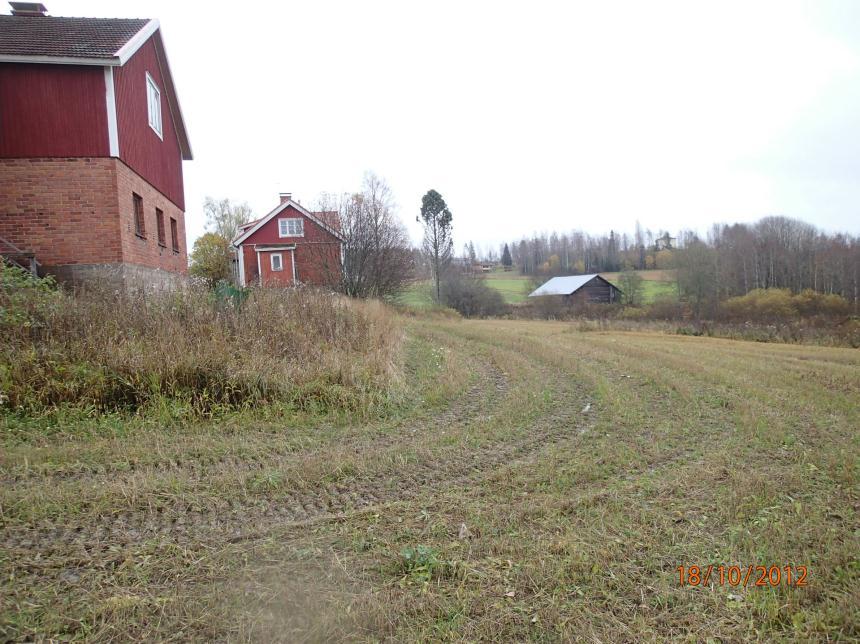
{"type": "Point", "coordinates": [91, 147]}
{"type": "Point", "coordinates": [290, 246]}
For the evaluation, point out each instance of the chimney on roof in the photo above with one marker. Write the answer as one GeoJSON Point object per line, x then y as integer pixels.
{"type": "Point", "coordinates": [28, 9]}
{"type": "Point", "coordinates": [285, 196]}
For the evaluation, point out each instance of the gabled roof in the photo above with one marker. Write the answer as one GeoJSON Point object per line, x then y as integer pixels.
{"type": "Point", "coordinates": [249, 229]}
{"type": "Point", "coordinates": [102, 41]}
{"type": "Point", "coordinates": [566, 285]}
{"type": "Point", "coordinates": [105, 42]}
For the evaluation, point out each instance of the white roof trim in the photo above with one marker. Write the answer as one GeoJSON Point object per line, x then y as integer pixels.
{"type": "Point", "coordinates": [128, 49]}
{"type": "Point", "coordinates": [167, 76]}
{"type": "Point", "coordinates": [59, 60]}
{"type": "Point", "coordinates": [119, 58]}
{"type": "Point", "coordinates": [281, 207]}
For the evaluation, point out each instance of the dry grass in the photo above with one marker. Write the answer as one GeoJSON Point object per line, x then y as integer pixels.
{"type": "Point", "coordinates": [692, 451]}
{"type": "Point", "coordinates": [101, 352]}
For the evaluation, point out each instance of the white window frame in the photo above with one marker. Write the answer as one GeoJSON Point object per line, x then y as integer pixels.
{"type": "Point", "coordinates": [284, 227]}
{"type": "Point", "coordinates": [280, 262]}
{"type": "Point", "coordinates": [153, 106]}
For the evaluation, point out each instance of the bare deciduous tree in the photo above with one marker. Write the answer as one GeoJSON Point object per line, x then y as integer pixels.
{"type": "Point", "coordinates": [224, 217]}
{"type": "Point", "coordinates": [377, 256]}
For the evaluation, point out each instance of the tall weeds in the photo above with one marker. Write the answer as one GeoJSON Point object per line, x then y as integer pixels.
{"type": "Point", "coordinates": [108, 352]}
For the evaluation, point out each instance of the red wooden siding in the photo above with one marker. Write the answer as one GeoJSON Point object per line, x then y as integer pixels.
{"type": "Point", "coordinates": [268, 233]}
{"type": "Point", "coordinates": [52, 111]}
{"type": "Point", "coordinates": [277, 278]}
{"type": "Point", "coordinates": [318, 264]}
{"type": "Point", "coordinates": [156, 160]}
{"type": "Point", "coordinates": [317, 253]}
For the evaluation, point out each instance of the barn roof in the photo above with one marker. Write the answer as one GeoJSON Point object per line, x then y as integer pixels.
{"type": "Point", "coordinates": [566, 285]}
{"type": "Point", "coordinates": [80, 39]}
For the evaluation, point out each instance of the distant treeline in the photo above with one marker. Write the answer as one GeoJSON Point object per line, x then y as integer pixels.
{"type": "Point", "coordinates": [775, 252]}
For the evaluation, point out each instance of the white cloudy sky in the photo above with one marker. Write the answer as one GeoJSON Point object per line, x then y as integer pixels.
{"type": "Point", "coordinates": [526, 116]}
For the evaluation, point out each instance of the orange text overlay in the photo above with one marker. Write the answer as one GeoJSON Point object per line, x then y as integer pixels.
{"type": "Point", "coordinates": [745, 576]}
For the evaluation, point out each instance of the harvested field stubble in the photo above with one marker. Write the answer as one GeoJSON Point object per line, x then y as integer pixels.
{"type": "Point", "coordinates": [537, 482]}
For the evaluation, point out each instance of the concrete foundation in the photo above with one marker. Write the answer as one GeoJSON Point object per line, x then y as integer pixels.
{"type": "Point", "coordinates": [117, 277]}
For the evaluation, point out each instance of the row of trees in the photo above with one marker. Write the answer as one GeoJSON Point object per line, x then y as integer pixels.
{"type": "Point", "coordinates": [579, 252]}
{"type": "Point", "coordinates": [731, 260]}
{"type": "Point", "coordinates": [773, 253]}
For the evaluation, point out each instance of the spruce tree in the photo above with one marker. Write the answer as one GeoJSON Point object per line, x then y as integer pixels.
{"type": "Point", "coordinates": [507, 262]}
{"type": "Point", "coordinates": [436, 218]}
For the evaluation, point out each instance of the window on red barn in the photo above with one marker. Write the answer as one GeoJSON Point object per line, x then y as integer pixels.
{"type": "Point", "coordinates": [277, 262]}
{"type": "Point", "coordinates": [153, 102]}
{"type": "Point", "coordinates": [139, 224]}
{"type": "Point", "coordinates": [159, 222]}
{"type": "Point", "coordinates": [174, 235]}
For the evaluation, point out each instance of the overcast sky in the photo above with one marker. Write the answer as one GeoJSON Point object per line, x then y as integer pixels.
{"type": "Point", "coordinates": [526, 116]}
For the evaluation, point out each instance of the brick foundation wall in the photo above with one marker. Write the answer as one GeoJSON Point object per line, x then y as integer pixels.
{"type": "Point", "coordinates": [79, 211]}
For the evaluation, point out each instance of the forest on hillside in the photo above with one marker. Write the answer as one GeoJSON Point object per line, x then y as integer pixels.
{"type": "Point", "coordinates": [731, 260]}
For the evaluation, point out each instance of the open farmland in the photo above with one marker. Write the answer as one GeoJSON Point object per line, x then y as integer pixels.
{"type": "Point", "coordinates": [515, 287]}
{"type": "Point", "coordinates": [534, 483]}
{"type": "Point", "coordinates": [655, 283]}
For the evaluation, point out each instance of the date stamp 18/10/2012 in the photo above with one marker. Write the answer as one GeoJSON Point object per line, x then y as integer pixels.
{"type": "Point", "coordinates": [745, 576]}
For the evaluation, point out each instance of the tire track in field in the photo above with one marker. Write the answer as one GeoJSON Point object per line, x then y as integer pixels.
{"type": "Point", "coordinates": [491, 384]}
{"type": "Point", "coordinates": [132, 527]}
{"type": "Point", "coordinates": [239, 520]}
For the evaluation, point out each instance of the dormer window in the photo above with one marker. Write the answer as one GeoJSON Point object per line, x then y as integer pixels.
{"type": "Point", "coordinates": [291, 227]}
{"type": "Point", "coordinates": [153, 104]}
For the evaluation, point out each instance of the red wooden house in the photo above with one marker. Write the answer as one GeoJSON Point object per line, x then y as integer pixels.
{"type": "Point", "coordinates": [290, 246]}
{"type": "Point", "coordinates": [91, 147]}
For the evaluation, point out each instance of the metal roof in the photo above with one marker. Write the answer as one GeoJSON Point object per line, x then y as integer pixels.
{"type": "Point", "coordinates": [563, 285]}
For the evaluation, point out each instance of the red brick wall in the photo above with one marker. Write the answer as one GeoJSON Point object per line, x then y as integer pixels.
{"type": "Point", "coordinates": [64, 210]}
{"type": "Point", "coordinates": [147, 252]}
{"type": "Point", "coordinates": [79, 211]}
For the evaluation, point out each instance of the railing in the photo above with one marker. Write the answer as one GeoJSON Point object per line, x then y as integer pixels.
{"type": "Point", "coordinates": [14, 255]}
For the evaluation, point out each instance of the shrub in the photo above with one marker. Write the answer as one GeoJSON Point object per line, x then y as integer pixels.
{"type": "Point", "coordinates": [471, 296]}
{"type": "Point", "coordinates": [665, 307]}
{"type": "Point", "coordinates": [761, 304]}
{"type": "Point", "coordinates": [550, 307]}
{"type": "Point", "coordinates": [24, 299]}
{"type": "Point", "coordinates": [777, 304]}
{"type": "Point", "coordinates": [115, 352]}
{"type": "Point", "coordinates": [809, 304]}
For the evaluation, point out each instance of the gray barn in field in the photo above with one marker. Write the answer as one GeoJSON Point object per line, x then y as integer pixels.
{"type": "Point", "coordinates": [582, 289]}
